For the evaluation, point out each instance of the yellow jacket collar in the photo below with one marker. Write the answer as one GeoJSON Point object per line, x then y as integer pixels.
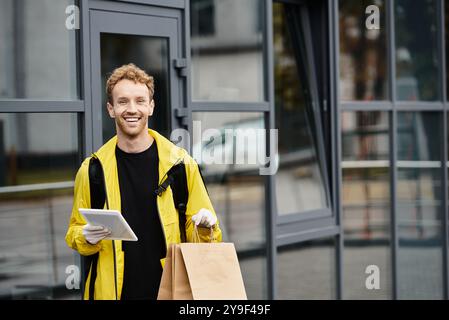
{"type": "Point", "coordinates": [168, 153]}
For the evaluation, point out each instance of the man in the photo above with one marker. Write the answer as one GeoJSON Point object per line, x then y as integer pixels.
{"type": "Point", "coordinates": [135, 163]}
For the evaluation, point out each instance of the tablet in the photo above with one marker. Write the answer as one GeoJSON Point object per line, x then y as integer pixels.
{"type": "Point", "coordinates": [111, 219]}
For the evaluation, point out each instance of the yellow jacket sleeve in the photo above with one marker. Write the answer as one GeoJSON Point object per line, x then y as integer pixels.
{"type": "Point", "coordinates": [81, 199]}
{"type": "Point", "coordinates": [198, 199]}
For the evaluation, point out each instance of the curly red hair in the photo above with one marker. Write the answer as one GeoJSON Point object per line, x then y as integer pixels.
{"type": "Point", "coordinates": [130, 72]}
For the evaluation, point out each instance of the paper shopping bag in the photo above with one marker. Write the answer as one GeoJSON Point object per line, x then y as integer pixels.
{"type": "Point", "coordinates": [202, 271]}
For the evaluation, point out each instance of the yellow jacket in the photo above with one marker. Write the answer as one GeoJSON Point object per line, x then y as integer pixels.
{"type": "Point", "coordinates": [110, 266]}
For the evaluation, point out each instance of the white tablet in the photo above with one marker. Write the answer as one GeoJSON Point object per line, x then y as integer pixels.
{"type": "Point", "coordinates": [111, 219]}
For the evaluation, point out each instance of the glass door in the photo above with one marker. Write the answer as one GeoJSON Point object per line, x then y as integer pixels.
{"type": "Point", "coordinates": [148, 41]}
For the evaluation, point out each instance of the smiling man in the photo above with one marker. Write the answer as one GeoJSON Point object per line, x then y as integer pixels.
{"type": "Point", "coordinates": [135, 163]}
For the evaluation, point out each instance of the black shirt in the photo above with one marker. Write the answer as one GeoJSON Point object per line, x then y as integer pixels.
{"type": "Point", "coordinates": [138, 179]}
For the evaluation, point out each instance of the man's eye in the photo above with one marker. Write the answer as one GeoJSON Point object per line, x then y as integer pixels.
{"type": "Point", "coordinates": [141, 101]}
{"type": "Point", "coordinates": [122, 102]}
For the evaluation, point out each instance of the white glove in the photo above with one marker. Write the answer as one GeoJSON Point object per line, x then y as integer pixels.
{"type": "Point", "coordinates": [204, 218]}
{"type": "Point", "coordinates": [95, 234]}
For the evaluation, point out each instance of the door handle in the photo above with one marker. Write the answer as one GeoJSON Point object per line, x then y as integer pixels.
{"type": "Point", "coordinates": [180, 64]}
{"type": "Point", "coordinates": [182, 114]}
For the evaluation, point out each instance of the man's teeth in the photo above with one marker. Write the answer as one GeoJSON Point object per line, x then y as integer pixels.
{"type": "Point", "coordinates": [132, 119]}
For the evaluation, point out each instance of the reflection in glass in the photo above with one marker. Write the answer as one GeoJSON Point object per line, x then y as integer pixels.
{"type": "Point", "coordinates": [227, 50]}
{"type": "Point", "coordinates": [419, 212]}
{"type": "Point", "coordinates": [37, 51]}
{"type": "Point", "coordinates": [363, 52]}
{"type": "Point", "coordinates": [38, 148]}
{"type": "Point", "coordinates": [236, 190]}
{"type": "Point", "coordinates": [419, 136]}
{"type": "Point", "coordinates": [417, 59]}
{"type": "Point", "coordinates": [299, 182]}
{"type": "Point", "coordinates": [149, 54]}
{"type": "Point", "coordinates": [366, 202]}
{"type": "Point", "coordinates": [307, 270]}
{"type": "Point", "coordinates": [34, 253]}
{"type": "Point", "coordinates": [446, 33]}
{"type": "Point", "coordinates": [364, 135]}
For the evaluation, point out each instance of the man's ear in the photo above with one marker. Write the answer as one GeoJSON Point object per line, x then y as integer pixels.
{"type": "Point", "coordinates": [151, 107]}
{"type": "Point", "coordinates": [110, 110]}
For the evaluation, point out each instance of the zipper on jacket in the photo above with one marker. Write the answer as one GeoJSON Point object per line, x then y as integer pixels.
{"type": "Point", "coordinates": [162, 226]}
{"type": "Point", "coordinates": [113, 241]}
{"type": "Point", "coordinates": [115, 270]}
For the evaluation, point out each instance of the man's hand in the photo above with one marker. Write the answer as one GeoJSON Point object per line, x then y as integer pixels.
{"type": "Point", "coordinates": [204, 218]}
{"type": "Point", "coordinates": [95, 234]}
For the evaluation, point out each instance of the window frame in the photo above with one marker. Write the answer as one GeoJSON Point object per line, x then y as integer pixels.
{"type": "Point", "coordinates": [305, 56]}
{"type": "Point", "coordinates": [393, 106]}
{"type": "Point", "coordinates": [76, 106]}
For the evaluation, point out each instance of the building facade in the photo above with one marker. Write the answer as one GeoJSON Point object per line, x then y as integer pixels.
{"type": "Point", "coordinates": [357, 90]}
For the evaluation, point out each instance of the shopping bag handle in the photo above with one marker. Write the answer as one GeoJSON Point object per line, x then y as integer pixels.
{"type": "Point", "coordinates": [196, 236]}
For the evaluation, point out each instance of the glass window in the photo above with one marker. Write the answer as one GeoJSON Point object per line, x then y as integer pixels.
{"type": "Point", "coordinates": [36, 148]}
{"type": "Point", "coordinates": [420, 254]}
{"type": "Point", "coordinates": [148, 53]}
{"type": "Point", "coordinates": [306, 270]}
{"type": "Point", "coordinates": [202, 18]}
{"type": "Point", "coordinates": [227, 50]}
{"type": "Point", "coordinates": [365, 137]}
{"type": "Point", "coordinates": [366, 203]}
{"type": "Point", "coordinates": [37, 51]}
{"type": "Point", "coordinates": [235, 187]}
{"type": "Point", "coordinates": [34, 253]}
{"type": "Point", "coordinates": [446, 25]}
{"type": "Point", "coordinates": [417, 50]}
{"type": "Point", "coordinates": [299, 181]}
{"type": "Point", "coordinates": [363, 52]}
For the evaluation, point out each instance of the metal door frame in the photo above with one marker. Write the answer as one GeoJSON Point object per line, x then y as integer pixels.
{"type": "Point", "coordinates": [150, 18]}
{"type": "Point", "coordinates": [172, 15]}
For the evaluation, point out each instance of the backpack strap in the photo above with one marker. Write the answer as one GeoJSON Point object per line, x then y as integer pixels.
{"type": "Point", "coordinates": [177, 179]}
{"type": "Point", "coordinates": [202, 179]}
{"type": "Point", "coordinates": [96, 183]}
{"type": "Point", "coordinates": [97, 201]}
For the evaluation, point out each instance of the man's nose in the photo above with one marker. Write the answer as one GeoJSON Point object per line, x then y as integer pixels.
{"type": "Point", "coordinates": [132, 107]}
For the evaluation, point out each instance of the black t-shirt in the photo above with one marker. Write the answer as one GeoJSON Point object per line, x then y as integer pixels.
{"type": "Point", "coordinates": [138, 179]}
